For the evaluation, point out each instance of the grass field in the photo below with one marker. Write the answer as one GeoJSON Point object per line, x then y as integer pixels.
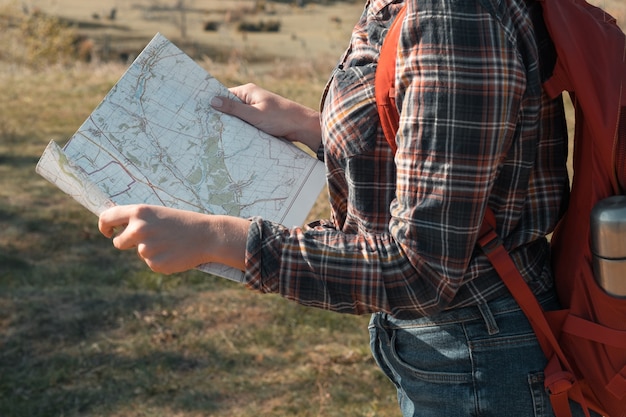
{"type": "Point", "coordinates": [86, 330]}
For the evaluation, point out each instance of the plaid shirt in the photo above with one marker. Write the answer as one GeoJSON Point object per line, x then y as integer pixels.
{"type": "Point", "coordinates": [475, 130]}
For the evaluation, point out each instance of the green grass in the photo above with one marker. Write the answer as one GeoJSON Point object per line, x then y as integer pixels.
{"type": "Point", "coordinates": [86, 330]}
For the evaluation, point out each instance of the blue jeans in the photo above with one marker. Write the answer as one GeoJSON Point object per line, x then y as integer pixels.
{"type": "Point", "coordinates": [472, 361]}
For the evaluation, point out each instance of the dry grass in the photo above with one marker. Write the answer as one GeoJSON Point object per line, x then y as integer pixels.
{"type": "Point", "coordinates": [88, 331]}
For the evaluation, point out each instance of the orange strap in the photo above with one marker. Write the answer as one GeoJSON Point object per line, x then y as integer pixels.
{"type": "Point", "coordinates": [559, 375]}
{"type": "Point", "coordinates": [385, 81]}
{"type": "Point", "coordinates": [593, 331]}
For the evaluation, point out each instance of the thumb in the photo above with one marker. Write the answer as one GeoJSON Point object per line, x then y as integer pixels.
{"type": "Point", "coordinates": [236, 108]}
{"type": "Point", "coordinates": [112, 221]}
{"type": "Point", "coordinates": [224, 104]}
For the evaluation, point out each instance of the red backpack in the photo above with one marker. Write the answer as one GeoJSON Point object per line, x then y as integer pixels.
{"type": "Point", "coordinates": [585, 343]}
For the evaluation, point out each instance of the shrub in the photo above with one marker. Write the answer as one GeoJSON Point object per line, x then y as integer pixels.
{"type": "Point", "coordinates": [37, 40]}
{"type": "Point", "coordinates": [261, 26]}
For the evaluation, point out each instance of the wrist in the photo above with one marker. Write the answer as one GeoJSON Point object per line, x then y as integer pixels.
{"type": "Point", "coordinates": [227, 241]}
{"type": "Point", "coordinates": [306, 129]}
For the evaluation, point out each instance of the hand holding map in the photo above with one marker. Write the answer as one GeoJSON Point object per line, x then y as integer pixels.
{"type": "Point", "coordinates": [155, 139]}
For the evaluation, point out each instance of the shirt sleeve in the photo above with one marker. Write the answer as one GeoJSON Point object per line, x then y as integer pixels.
{"type": "Point", "coordinates": [461, 91]}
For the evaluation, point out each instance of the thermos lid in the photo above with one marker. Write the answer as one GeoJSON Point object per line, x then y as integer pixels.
{"type": "Point", "coordinates": [608, 228]}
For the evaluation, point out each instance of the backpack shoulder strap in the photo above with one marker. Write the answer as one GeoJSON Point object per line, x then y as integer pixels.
{"type": "Point", "coordinates": [560, 380]}
{"type": "Point", "coordinates": [384, 84]}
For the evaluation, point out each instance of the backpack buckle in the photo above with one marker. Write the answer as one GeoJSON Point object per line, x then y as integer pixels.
{"type": "Point", "coordinates": [559, 382]}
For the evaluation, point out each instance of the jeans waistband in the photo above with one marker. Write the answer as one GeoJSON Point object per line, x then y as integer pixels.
{"type": "Point", "coordinates": [486, 312]}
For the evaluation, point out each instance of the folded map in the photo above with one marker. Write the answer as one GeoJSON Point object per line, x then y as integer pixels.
{"type": "Point", "coordinates": [155, 139]}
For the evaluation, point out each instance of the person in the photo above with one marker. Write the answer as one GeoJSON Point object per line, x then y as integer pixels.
{"type": "Point", "coordinates": [475, 131]}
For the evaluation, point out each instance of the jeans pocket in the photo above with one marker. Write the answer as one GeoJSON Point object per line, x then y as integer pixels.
{"type": "Point", "coordinates": [416, 374]}
{"type": "Point", "coordinates": [431, 354]}
{"type": "Point", "coordinates": [379, 338]}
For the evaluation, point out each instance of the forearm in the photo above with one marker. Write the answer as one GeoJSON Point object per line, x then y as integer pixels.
{"type": "Point", "coordinates": [212, 239]}
{"type": "Point", "coordinates": [226, 243]}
